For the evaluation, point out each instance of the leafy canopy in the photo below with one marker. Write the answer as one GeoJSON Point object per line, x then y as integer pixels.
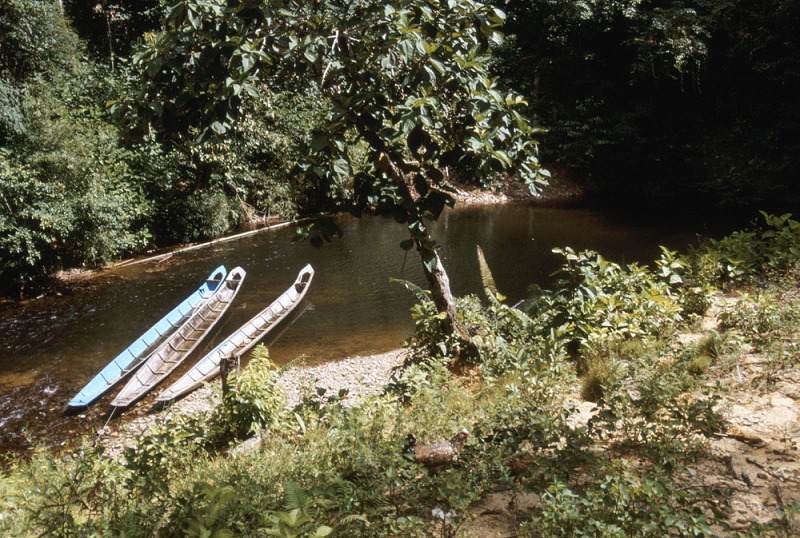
{"type": "Point", "coordinates": [407, 80]}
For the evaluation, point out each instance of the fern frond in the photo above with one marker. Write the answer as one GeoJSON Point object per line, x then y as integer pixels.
{"type": "Point", "coordinates": [296, 497]}
{"type": "Point", "coordinates": [260, 352]}
{"type": "Point", "coordinates": [527, 305]}
{"type": "Point", "coordinates": [486, 274]}
{"type": "Point", "coordinates": [344, 489]}
{"type": "Point", "coordinates": [521, 316]}
{"type": "Point", "coordinates": [282, 370]}
{"type": "Point", "coordinates": [350, 519]}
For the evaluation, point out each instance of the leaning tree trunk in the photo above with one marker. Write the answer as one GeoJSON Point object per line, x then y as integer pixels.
{"type": "Point", "coordinates": [440, 289]}
{"type": "Point", "coordinates": [445, 303]}
{"type": "Point", "coordinates": [437, 278]}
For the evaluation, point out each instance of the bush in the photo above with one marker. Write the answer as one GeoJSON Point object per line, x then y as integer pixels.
{"type": "Point", "coordinates": [745, 256]}
{"type": "Point", "coordinates": [255, 400]}
{"type": "Point", "coordinates": [760, 321]}
{"type": "Point", "coordinates": [619, 502]}
{"type": "Point", "coordinates": [66, 199]}
{"type": "Point", "coordinates": [599, 300]}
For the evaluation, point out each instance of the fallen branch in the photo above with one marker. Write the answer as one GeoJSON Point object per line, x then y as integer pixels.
{"type": "Point", "coordinates": [774, 474]}
{"type": "Point", "coordinates": [746, 438]}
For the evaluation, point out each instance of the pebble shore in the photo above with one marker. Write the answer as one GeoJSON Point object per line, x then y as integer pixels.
{"type": "Point", "coordinates": [361, 375]}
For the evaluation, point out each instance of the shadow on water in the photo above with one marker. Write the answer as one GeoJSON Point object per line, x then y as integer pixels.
{"type": "Point", "coordinates": [52, 346]}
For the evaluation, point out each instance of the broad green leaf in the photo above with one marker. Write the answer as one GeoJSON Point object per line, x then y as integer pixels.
{"type": "Point", "coordinates": [438, 65]}
{"type": "Point", "coordinates": [319, 141]}
{"type": "Point", "coordinates": [342, 167]}
{"type": "Point", "coordinates": [252, 91]}
{"type": "Point", "coordinates": [194, 20]}
{"type": "Point", "coordinates": [294, 518]}
{"type": "Point", "coordinates": [497, 16]}
{"type": "Point", "coordinates": [154, 65]}
{"type": "Point", "coordinates": [212, 513]}
{"type": "Point", "coordinates": [429, 261]}
{"type": "Point", "coordinates": [247, 62]}
{"type": "Point", "coordinates": [426, 11]}
{"type": "Point", "coordinates": [431, 75]}
{"type": "Point", "coordinates": [176, 11]}
{"type": "Point", "coordinates": [311, 55]}
{"type": "Point", "coordinates": [503, 156]}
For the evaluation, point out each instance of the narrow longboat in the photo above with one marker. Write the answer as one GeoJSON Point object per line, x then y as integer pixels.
{"type": "Point", "coordinates": [178, 346]}
{"type": "Point", "coordinates": [241, 341]}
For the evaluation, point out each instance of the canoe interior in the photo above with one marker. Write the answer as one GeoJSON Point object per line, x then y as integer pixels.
{"type": "Point", "coordinates": [241, 341]}
{"type": "Point", "coordinates": [135, 354]}
{"type": "Point", "coordinates": [185, 339]}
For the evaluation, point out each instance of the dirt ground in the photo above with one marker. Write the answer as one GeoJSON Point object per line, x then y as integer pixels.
{"type": "Point", "coordinates": [757, 459]}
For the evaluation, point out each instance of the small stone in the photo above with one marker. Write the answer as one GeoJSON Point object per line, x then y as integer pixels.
{"type": "Point", "coordinates": [779, 401]}
{"type": "Point", "coordinates": [763, 476]}
{"type": "Point", "coordinates": [746, 480]}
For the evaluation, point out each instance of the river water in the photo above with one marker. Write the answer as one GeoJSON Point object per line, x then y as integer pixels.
{"type": "Point", "coordinates": [51, 347]}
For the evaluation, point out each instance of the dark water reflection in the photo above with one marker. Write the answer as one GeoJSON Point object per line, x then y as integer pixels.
{"type": "Point", "coordinates": [52, 346]}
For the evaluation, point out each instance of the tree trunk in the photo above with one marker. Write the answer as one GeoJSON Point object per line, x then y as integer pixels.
{"type": "Point", "coordinates": [444, 301]}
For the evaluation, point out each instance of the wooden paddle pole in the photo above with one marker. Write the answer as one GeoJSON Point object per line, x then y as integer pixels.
{"type": "Point", "coordinates": [225, 367]}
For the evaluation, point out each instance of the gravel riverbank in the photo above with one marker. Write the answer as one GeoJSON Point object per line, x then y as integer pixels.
{"type": "Point", "coordinates": [361, 375]}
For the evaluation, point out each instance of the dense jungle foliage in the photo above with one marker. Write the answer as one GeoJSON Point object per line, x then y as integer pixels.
{"type": "Point", "coordinates": [328, 469]}
{"type": "Point", "coordinates": [661, 98]}
{"type": "Point", "coordinates": [669, 99]}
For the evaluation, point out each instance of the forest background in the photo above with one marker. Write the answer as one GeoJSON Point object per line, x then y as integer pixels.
{"type": "Point", "coordinates": [640, 100]}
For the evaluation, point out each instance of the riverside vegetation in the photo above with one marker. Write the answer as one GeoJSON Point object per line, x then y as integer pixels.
{"type": "Point", "coordinates": [613, 334]}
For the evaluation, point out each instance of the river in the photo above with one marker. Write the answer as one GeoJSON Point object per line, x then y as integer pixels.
{"type": "Point", "coordinates": [52, 346]}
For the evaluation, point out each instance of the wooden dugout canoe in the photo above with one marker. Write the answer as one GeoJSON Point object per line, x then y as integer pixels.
{"type": "Point", "coordinates": [135, 354]}
{"type": "Point", "coordinates": [241, 341]}
{"type": "Point", "coordinates": [178, 346]}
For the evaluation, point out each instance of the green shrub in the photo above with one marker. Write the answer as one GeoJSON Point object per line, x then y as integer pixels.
{"type": "Point", "coordinates": [600, 300]}
{"type": "Point", "coordinates": [619, 502]}
{"type": "Point", "coordinates": [744, 256]}
{"type": "Point", "coordinates": [598, 378]}
{"type": "Point", "coordinates": [716, 345]}
{"type": "Point", "coordinates": [699, 365]}
{"type": "Point", "coordinates": [255, 400]}
{"type": "Point", "coordinates": [66, 198]}
{"type": "Point", "coordinates": [760, 321]}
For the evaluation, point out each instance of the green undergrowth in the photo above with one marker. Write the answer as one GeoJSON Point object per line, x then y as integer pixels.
{"type": "Point", "coordinates": [606, 334]}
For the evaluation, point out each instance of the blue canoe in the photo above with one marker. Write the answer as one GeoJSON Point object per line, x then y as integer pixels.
{"type": "Point", "coordinates": [127, 361]}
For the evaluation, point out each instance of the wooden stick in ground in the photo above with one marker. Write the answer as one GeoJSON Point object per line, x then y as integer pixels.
{"type": "Point", "coordinates": [225, 366]}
